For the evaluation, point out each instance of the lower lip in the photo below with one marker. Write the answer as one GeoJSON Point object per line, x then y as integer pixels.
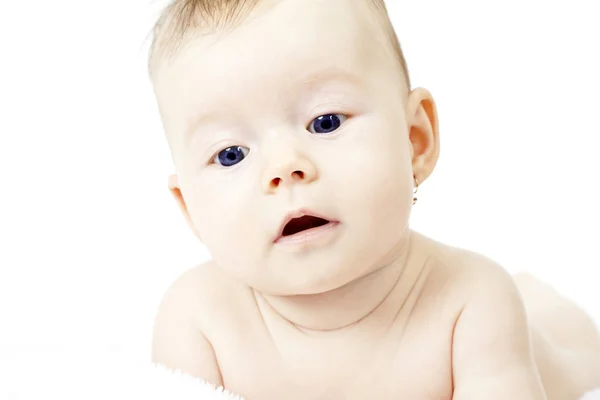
{"type": "Point", "coordinates": [308, 235]}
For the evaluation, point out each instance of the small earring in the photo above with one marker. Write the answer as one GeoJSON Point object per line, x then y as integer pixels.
{"type": "Point", "coordinates": [415, 190]}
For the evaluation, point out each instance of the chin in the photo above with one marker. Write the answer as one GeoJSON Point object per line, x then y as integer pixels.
{"type": "Point", "coordinates": [303, 282]}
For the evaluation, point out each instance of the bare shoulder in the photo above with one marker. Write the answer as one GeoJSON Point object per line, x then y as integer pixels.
{"type": "Point", "coordinates": [491, 351]}
{"type": "Point", "coordinates": [462, 277]}
{"type": "Point", "coordinates": [490, 298]}
{"type": "Point", "coordinates": [198, 293]}
{"type": "Point", "coordinates": [181, 338]}
{"type": "Point", "coordinates": [467, 276]}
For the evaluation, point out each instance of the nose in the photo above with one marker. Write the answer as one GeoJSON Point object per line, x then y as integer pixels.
{"type": "Point", "coordinates": [286, 171]}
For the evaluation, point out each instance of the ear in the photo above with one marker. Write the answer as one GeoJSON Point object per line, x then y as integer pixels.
{"type": "Point", "coordinates": [175, 190]}
{"type": "Point", "coordinates": [423, 133]}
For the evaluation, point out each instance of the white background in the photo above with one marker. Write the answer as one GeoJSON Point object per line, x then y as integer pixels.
{"type": "Point", "coordinates": [90, 238]}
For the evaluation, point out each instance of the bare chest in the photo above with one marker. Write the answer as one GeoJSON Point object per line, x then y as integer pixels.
{"type": "Point", "coordinates": [416, 367]}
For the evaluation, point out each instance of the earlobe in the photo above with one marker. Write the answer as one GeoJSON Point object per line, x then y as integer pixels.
{"type": "Point", "coordinates": [175, 190]}
{"type": "Point", "coordinates": [423, 133]}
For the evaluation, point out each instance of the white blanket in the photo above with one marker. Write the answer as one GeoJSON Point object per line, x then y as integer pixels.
{"type": "Point", "coordinates": [82, 375]}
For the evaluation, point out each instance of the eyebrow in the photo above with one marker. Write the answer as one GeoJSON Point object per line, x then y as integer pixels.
{"type": "Point", "coordinates": [332, 74]}
{"type": "Point", "coordinates": [200, 119]}
{"type": "Point", "coordinates": [196, 121]}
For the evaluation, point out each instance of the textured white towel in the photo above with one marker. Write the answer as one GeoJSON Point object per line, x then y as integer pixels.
{"type": "Point", "coordinates": [34, 375]}
{"type": "Point", "coordinates": [595, 395]}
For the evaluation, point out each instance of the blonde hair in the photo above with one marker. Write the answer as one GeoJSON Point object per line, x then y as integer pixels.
{"type": "Point", "coordinates": [183, 18]}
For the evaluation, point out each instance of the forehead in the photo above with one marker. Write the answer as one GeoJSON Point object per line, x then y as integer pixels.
{"type": "Point", "coordinates": [279, 43]}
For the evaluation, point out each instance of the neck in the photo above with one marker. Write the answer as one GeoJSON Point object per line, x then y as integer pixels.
{"type": "Point", "coordinates": [348, 305]}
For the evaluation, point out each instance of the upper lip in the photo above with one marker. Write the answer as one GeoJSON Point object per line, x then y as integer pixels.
{"type": "Point", "coordinates": [297, 214]}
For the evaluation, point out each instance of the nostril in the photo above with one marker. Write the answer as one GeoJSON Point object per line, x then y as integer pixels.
{"type": "Point", "coordinates": [298, 174]}
{"type": "Point", "coordinates": [275, 182]}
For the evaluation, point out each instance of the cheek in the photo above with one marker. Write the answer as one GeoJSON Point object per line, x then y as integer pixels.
{"type": "Point", "coordinates": [224, 218]}
{"type": "Point", "coordinates": [375, 169]}
{"type": "Point", "coordinates": [373, 184]}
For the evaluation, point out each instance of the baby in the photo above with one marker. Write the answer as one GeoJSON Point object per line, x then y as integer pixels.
{"type": "Point", "coordinates": [298, 145]}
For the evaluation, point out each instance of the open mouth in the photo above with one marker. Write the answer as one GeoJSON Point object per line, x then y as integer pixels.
{"type": "Point", "coordinates": [301, 224]}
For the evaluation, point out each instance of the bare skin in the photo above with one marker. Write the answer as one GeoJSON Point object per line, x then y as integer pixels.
{"type": "Point", "coordinates": [361, 307]}
{"type": "Point", "coordinates": [420, 342]}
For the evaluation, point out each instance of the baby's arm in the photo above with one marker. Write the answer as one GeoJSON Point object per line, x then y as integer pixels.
{"type": "Point", "coordinates": [178, 342]}
{"type": "Point", "coordinates": [492, 354]}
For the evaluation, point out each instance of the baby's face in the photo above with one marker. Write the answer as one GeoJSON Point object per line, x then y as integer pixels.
{"type": "Point", "coordinates": [299, 110]}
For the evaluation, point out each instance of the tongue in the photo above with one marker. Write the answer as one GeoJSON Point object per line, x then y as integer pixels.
{"type": "Point", "coordinates": [297, 225]}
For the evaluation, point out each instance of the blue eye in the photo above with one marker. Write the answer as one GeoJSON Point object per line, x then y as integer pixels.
{"type": "Point", "coordinates": [231, 156]}
{"type": "Point", "coordinates": [326, 123]}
